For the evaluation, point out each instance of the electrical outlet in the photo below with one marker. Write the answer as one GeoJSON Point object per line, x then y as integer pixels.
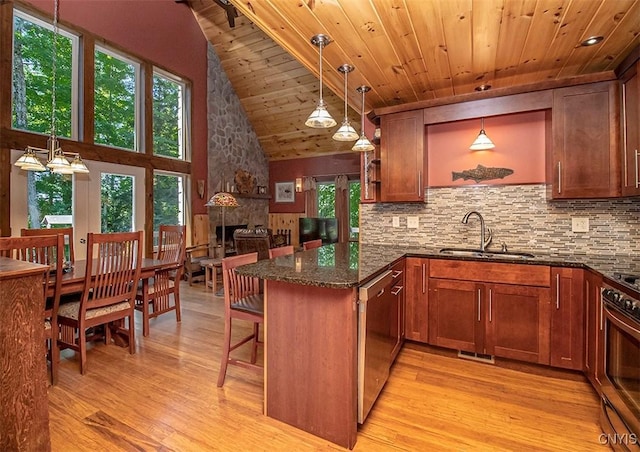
{"type": "Point", "coordinates": [396, 222]}
{"type": "Point", "coordinates": [580, 224]}
{"type": "Point", "coordinates": [413, 222]}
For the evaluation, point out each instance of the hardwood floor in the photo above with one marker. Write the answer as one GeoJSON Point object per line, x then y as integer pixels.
{"type": "Point", "coordinates": [165, 398]}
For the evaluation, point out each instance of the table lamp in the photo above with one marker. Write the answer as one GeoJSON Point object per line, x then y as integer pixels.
{"type": "Point", "coordinates": [222, 200]}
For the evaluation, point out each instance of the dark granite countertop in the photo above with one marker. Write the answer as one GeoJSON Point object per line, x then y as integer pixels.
{"type": "Point", "coordinates": [345, 265]}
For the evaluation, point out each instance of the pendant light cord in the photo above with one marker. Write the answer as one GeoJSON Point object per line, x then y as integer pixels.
{"type": "Point", "coordinates": [346, 74]}
{"type": "Point", "coordinates": [321, 46]}
{"type": "Point", "coordinates": [362, 114]}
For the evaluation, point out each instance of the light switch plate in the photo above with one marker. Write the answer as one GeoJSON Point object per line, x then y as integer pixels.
{"type": "Point", "coordinates": [580, 224]}
{"type": "Point", "coordinates": [413, 222]}
{"type": "Point", "coordinates": [396, 222]}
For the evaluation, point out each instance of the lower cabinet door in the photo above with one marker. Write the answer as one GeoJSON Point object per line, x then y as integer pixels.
{"type": "Point", "coordinates": [456, 319]}
{"type": "Point", "coordinates": [518, 319]}
{"type": "Point", "coordinates": [567, 318]}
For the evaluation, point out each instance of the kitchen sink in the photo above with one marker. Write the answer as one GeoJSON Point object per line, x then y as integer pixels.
{"type": "Point", "coordinates": [485, 254]}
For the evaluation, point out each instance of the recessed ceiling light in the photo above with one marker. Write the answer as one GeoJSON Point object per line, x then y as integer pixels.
{"type": "Point", "coordinates": [483, 87]}
{"type": "Point", "coordinates": [593, 40]}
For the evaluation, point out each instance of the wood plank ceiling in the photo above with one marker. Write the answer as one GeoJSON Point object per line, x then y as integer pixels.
{"type": "Point", "coordinates": [406, 50]}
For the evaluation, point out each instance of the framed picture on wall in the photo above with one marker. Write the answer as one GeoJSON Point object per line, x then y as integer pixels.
{"type": "Point", "coordinates": [285, 192]}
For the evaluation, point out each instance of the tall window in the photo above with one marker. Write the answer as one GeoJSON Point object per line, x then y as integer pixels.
{"type": "Point", "coordinates": [116, 91]}
{"type": "Point", "coordinates": [326, 192]}
{"type": "Point", "coordinates": [32, 78]}
{"type": "Point", "coordinates": [168, 201]}
{"type": "Point", "coordinates": [168, 116]}
{"type": "Point", "coordinates": [117, 201]}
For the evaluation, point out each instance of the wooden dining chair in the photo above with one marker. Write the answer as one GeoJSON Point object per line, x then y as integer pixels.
{"type": "Point", "coordinates": [311, 244]}
{"type": "Point", "coordinates": [108, 297]}
{"type": "Point", "coordinates": [280, 251]}
{"type": "Point", "coordinates": [67, 234]}
{"type": "Point", "coordinates": [242, 301]}
{"type": "Point", "coordinates": [47, 250]}
{"type": "Point", "coordinates": [154, 297]}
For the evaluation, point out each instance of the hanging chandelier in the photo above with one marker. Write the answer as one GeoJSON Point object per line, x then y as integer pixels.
{"type": "Point", "coordinates": [56, 158]}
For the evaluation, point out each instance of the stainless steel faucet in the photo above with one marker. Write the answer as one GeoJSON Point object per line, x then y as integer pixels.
{"type": "Point", "coordinates": [484, 232]}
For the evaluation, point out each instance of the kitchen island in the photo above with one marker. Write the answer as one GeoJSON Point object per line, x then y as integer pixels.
{"type": "Point", "coordinates": [311, 327]}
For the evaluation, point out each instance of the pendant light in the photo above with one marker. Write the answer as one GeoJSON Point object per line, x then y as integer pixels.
{"type": "Point", "coordinates": [363, 144]}
{"type": "Point", "coordinates": [56, 160]}
{"type": "Point", "coordinates": [345, 132]}
{"type": "Point", "coordinates": [320, 117]}
{"type": "Point", "coordinates": [483, 142]}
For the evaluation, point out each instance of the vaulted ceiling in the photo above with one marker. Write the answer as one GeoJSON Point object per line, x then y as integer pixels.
{"type": "Point", "coordinates": [406, 50]}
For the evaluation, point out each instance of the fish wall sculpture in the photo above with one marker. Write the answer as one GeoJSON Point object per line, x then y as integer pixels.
{"type": "Point", "coordinates": [480, 173]}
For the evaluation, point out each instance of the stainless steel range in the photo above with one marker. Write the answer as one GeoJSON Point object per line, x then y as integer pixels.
{"type": "Point", "coordinates": [620, 418]}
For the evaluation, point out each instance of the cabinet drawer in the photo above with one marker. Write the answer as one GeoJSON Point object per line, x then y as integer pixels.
{"type": "Point", "coordinates": [522, 274]}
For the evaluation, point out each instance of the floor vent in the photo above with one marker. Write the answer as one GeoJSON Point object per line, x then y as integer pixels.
{"type": "Point", "coordinates": [476, 357]}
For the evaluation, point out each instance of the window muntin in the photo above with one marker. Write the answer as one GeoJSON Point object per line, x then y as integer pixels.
{"type": "Point", "coordinates": [116, 97]}
{"type": "Point", "coordinates": [32, 77]}
{"type": "Point", "coordinates": [169, 116]}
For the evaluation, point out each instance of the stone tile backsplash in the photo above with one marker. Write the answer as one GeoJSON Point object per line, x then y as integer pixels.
{"type": "Point", "coordinates": [518, 215]}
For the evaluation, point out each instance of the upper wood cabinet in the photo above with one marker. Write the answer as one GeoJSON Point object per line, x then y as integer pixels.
{"type": "Point", "coordinates": [402, 157]}
{"type": "Point", "coordinates": [631, 132]}
{"type": "Point", "coordinates": [584, 159]}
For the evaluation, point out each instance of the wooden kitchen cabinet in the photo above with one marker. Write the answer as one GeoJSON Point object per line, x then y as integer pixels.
{"type": "Point", "coordinates": [490, 308]}
{"type": "Point", "coordinates": [583, 160]}
{"type": "Point", "coordinates": [567, 318]}
{"type": "Point", "coordinates": [402, 157]}
{"type": "Point", "coordinates": [455, 315]}
{"type": "Point", "coordinates": [631, 132]}
{"type": "Point", "coordinates": [517, 322]}
{"type": "Point", "coordinates": [416, 299]}
{"type": "Point", "coordinates": [594, 337]}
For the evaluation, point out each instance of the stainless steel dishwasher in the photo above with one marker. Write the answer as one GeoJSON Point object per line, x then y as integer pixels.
{"type": "Point", "coordinates": [375, 343]}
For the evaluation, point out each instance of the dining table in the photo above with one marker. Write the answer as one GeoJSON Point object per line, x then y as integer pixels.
{"type": "Point", "coordinates": [73, 277]}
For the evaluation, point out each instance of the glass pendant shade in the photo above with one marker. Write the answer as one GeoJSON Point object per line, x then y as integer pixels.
{"type": "Point", "coordinates": [482, 142]}
{"type": "Point", "coordinates": [58, 161]}
{"type": "Point", "coordinates": [30, 162]}
{"type": "Point", "coordinates": [363, 144]}
{"type": "Point", "coordinates": [345, 132]}
{"type": "Point", "coordinates": [320, 117]}
{"type": "Point", "coordinates": [78, 166]}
